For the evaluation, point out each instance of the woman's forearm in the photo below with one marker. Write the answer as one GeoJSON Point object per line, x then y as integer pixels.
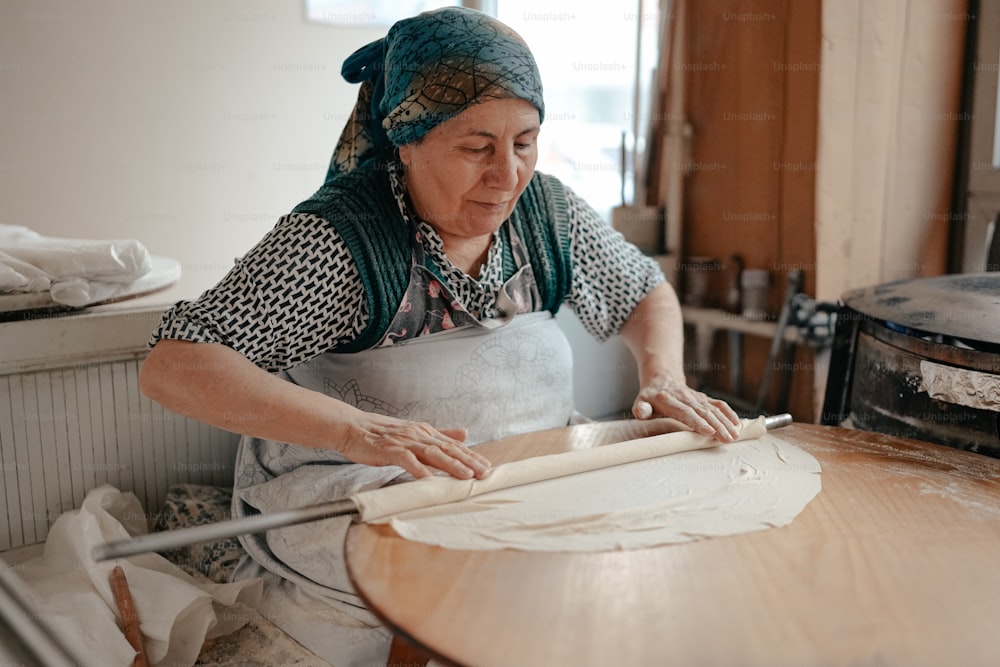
{"type": "Point", "coordinates": [216, 385]}
{"type": "Point", "coordinates": [654, 334]}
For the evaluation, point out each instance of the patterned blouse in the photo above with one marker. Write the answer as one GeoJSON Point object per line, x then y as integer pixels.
{"type": "Point", "coordinates": [257, 310]}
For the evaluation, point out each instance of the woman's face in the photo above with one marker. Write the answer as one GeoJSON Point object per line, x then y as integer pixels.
{"type": "Point", "coordinates": [465, 175]}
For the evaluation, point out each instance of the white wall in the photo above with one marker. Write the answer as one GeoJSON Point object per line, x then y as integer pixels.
{"type": "Point", "coordinates": [189, 125]}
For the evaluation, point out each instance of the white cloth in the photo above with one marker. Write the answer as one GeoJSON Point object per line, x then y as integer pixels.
{"type": "Point", "coordinates": [177, 612]}
{"type": "Point", "coordinates": [75, 272]}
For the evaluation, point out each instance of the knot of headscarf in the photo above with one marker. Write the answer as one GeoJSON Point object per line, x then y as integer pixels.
{"type": "Point", "coordinates": [428, 69]}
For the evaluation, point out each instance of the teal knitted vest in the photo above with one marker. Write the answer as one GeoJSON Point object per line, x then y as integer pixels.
{"type": "Point", "coordinates": [361, 207]}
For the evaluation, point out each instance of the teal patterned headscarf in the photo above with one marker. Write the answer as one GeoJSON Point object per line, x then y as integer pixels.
{"type": "Point", "coordinates": [428, 69]}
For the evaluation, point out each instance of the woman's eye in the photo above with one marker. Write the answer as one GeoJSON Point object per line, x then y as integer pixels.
{"type": "Point", "coordinates": [523, 147]}
{"type": "Point", "coordinates": [477, 149]}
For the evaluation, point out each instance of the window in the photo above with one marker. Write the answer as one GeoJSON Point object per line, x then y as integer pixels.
{"type": "Point", "coordinates": [594, 101]}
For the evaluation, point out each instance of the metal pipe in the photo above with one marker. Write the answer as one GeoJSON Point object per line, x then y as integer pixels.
{"type": "Point", "coordinates": [261, 523]}
{"type": "Point", "coordinates": [777, 421]}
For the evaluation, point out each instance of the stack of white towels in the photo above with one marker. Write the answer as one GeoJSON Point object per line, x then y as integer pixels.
{"type": "Point", "coordinates": [75, 272]}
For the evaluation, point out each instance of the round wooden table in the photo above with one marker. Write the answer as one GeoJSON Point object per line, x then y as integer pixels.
{"type": "Point", "coordinates": [895, 562]}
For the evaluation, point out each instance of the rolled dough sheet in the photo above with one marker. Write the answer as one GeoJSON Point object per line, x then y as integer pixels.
{"type": "Point", "coordinates": [623, 496]}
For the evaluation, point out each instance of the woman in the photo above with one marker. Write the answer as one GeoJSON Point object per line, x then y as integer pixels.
{"type": "Point", "coordinates": [405, 311]}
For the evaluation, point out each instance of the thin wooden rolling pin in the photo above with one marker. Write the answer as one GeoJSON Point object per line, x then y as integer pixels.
{"type": "Point", "coordinates": [130, 617]}
{"type": "Point", "coordinates": [261, 523]}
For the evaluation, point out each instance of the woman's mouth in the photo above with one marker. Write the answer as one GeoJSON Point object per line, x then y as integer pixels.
{"type": "Point", "coordinates": [489, 206]}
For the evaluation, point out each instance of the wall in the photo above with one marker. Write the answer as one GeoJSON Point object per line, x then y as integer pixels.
{"type": "Point", "coordinates": [751, 99]}
{"type": "Point", "coordinates": [189, 125]}
{"type": "Point", "coordinates": [890, 111]}
{"type": "Point", "coordinates": [822, 138]}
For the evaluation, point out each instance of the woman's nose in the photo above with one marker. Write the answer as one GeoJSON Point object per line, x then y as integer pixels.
{"type": "Point", "coordinates": [502, 171]}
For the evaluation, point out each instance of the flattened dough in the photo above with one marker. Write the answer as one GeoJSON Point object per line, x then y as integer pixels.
{"type": "Point", "coordinates": [585, 501]}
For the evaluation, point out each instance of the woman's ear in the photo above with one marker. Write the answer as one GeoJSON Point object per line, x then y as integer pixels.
{"type": "Point", "coordinates": [406, 154]}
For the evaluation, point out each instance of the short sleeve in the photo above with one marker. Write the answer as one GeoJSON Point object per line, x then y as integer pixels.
{"type": "Point", "coordinates": [295, 295]}
{"type": "Point", "coordinates": [610, 275]}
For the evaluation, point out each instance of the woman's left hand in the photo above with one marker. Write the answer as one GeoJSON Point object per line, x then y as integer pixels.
{"type": "Point", "coordinates": [668, 397]}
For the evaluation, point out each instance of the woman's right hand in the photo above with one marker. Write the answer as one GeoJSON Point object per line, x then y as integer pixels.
{"type": "Point", "coordinates": [416, 447]}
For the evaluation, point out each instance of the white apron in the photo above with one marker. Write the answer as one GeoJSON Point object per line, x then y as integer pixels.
{"type": "Point", "coordinates": [436, 363]}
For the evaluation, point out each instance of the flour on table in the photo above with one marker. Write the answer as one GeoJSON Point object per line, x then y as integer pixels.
{"type": "Point", "coordinates": [699, 492]}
